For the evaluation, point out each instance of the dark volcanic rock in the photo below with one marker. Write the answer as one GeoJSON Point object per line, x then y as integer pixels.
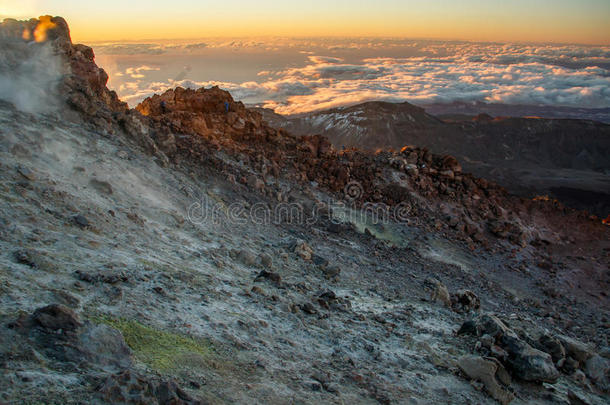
{"type": "Point", "coordinates": [466, 300]}
{"type": "Point", "coordinates": [81, 221]}
{"type": "Point", "coordinates": [551, 345]}
{"type": "Point", "coordinates": [268, 275]}
{"type": "Point", "coordinates": [56, 317]}
{"type": "Point", "coordinates": [527, 363]}
{"type": "Point", "coordinates": [58, 333]}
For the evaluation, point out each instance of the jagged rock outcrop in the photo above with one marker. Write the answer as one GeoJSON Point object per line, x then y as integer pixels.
{"type": "Point", "coordinates": [76, 86]}
{"type": "Point", "coordinates": [196, 123]}
{"type": "Point", "coordinates": [83, 85]}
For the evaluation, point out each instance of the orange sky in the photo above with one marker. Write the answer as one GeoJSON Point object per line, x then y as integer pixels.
{"type": "Point", "coordinates": [586, 21]}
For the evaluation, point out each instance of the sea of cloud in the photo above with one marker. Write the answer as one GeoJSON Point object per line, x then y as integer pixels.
{"type": "Point", "coordinates": [309, 75]}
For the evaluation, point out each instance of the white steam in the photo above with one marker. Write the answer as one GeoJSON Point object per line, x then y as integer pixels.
{"type": "Point", "coordinates": [29, 75]}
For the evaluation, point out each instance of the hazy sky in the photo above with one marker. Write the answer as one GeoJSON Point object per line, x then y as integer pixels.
{"type": "Point", "coordinates": [583, 21]}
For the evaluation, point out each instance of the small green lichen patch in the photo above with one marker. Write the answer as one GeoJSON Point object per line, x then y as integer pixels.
{"type": "Point", "coordinates": [160, 350]}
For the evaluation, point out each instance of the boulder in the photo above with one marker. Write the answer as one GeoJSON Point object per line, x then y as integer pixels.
{"type": "Point", "coordinates": [597, 369]}
{"type": "Point", "coordinates": [265, 260]}
{"type": "Point", "coordinates": [486, 371]}
{"type": "Point", "coordinates": [56, 317]}
{"type": "Point", "coordinates": [245, 257]}
{"type": "Point", "coordinates": [576, 349]}
{"type": "Point", "coordinates": [466, 300]}
{"type": "Point", "coordinates": [469, 327]}
{"type": "Point", "coordinates": [268, 275]}
{"type": "Point", "coordinates": [105, 346]}
{"type": "Point", "coordinates": [527, 363]}
{"type": "Point", "coordinates": [492, 325]}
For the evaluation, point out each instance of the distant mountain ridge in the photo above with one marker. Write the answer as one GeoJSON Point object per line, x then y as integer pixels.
{"type": "Point", "coordinates": [462, 109]}
{"type": "Point", "coordinates": [529, 156]}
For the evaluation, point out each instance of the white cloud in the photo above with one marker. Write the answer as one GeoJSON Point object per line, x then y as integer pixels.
{"type": "Point", "coordinates": [136, 72]}
{"type": "Point", "coordinates": [437, 72]}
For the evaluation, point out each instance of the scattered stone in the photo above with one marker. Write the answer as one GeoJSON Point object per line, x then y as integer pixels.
{"type": "Point", "coordinates": [492, 325]}
{"type": "Point", "coordinates": [438, 291]}
{"type": "Point", "coordinates": [308, 308]}
{"type": "Point", "coordinates": [246, 257]}
{"type": "Point", "coordinates": [469, 327]}
{"type": "Point", "coordinates": [336, 227]}
{"type": "Point", "coordinates": [24, 257]}
{"type": "Point", "coordinates": [257, 290]}
{"type": "Point", "coordinates": [326, 298]}
{"type": "Point", "coordinates": [319, 261]}
{"type": "Point", "coordinates": [466, 300]}
{"type": "Point", "coordinates": [81, 221]}
{"type": "Point", "coordinates": [26, 173]}
{"type": "Point", "coordinates": [268, 275]}
{"type": "Point", "coordinates": [579, 377]}
{"type": "Point", "coordinates": [101, 186]}
{"type": "Point", "coordinates": [487, 341]}
{"type": "Point", "coordinates": [576, 398]}
{"type": "Point", "coordinates": [255, 183]}
{"type": "Point", "coordinates": [135, 218]}
{"type": "Point", "coordinates": [21, 151]}
{"type": "Point", "coordinates": [498, 352]}
{"type": "Point", "coordinates": [265, 260]}
{"type": "Point", "coordinates": [303, 250]}
{"type": "Point", "coordinates": [105, 346]}
{"type": "Point", "coordinates": [314, 385]}
{"type": "Point", "coordinates": [569, 365]}
{"type": "Point", "coordinates": [331, 271]}
{"type": "Point", "coordinates": [112, 277]}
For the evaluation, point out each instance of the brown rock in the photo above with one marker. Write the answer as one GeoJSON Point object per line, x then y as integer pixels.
{"type": "Point", "coordinates": [485, 370]}
{"type": "Point", "coordinates": [55, 317]}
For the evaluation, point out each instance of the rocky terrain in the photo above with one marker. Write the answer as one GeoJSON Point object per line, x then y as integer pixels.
{"type": "Point", "coordinates": [566, 159]}
{"type": "Point", "coordinates": [187, 252]}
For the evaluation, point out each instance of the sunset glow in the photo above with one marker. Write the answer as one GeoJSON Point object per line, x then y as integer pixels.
{"type": "Point", "coordinates": [531, 21]}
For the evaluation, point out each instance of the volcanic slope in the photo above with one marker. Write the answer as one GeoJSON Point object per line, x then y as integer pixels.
{"type": "Point", "coordinates": [138, 263]}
